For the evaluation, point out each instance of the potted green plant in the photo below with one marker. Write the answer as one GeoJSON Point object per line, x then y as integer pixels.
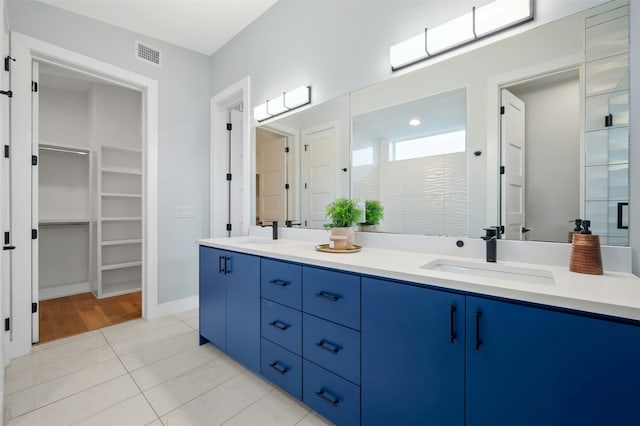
{"type": "Point", "coordinates": [374, 213]}
{"type": "Point", "coordinates": [343, 215]}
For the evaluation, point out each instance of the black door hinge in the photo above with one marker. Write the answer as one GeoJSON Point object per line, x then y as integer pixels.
{"type": "Point", "coordinates": [9, 93]}
{"type": "Point", "coordinates": [306, 146]}
{"type": "Point", "coordinates": [286, 149]}
{"type": "Point", "coordinates": [228, 227]}
{"type": "Point", "coordinates": [228, 176]}
{"type": "Point", "coordinates": [501, 170]}
{"type": "Point", "coordinates": [7, 324]}
{"type": "Point", "coordinates": [229, 127]}
{"type": "Point", "coordinates": [34, 234]}
{"type": "Point", "coordinates": [34, 86]}
{"type": "Point", "coordinates": [34, 160]}
{"type": "Point", "coordinates": [34, 307]}
{"type": "Point", "coordinates": [305, 185]}
{"type": "Point", "coordinates": [305, 223]}
{"type": "Point", "coordinates": [7, 151]}
{"type": "Point", "coordinates": [7, 62]}
{"type": "Point", "coordinates": [501, 110]}
{"type": "Point", "coordinates": [286, 186]}
{"type": "Point", "coordinates": [7, 237]}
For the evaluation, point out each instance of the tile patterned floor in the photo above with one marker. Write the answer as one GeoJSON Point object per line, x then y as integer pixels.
{"type": "Point", "coordinates": [143, 373]}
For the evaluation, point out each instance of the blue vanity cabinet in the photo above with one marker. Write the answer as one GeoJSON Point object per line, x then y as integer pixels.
{"type": "Point", "coordinates": [413, 348]}
{"type": "Point", "coordinates": [230, 304]}
{"type": "Point", "coordinates": [213, 297]}
{"type": "Point", "coordinates": [535, 366]}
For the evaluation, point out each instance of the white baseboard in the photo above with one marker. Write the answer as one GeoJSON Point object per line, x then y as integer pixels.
{"type": "Point", "coordinates": [173, 307]}
{"type": "Point", "coordinates": [63, 290]}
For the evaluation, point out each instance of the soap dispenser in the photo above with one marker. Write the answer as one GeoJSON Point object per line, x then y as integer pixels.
{"type": "Point", "coordinates": [585, 252]}
{"type": "Point", "coordinates": [576, 229]}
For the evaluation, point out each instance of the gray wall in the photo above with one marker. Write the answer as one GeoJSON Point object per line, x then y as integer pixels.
{"type": "Point", "coordinates": [342, 46]}
{"type": "Point", "coordinates": [183, 129]}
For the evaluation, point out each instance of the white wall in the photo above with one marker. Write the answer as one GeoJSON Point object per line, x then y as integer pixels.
{"type": "Point", "coordinates": [64, 117]}
{"type": "Point", "coordinates": [183, 129]}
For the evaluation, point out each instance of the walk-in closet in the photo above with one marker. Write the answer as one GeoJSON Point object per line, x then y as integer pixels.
{"type": "Point", "coordinates": [89, 196]}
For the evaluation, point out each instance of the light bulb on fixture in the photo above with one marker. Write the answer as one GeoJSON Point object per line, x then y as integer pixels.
{"type": "Point", "coordinates": [414, 122]}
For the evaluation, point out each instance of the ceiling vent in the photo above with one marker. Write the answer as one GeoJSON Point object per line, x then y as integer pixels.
{"type": "Point", "coordinates": [147, 54]}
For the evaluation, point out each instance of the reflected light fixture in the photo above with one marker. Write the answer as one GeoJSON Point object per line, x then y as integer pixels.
{"type": "Point", "coordinates": [481, 22]}
{"type": "Point", "coordinates": [414, 122]}
{"type": "Point", "coordinates": [283, 103]}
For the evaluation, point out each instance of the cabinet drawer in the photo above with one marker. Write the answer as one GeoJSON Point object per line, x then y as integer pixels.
{"type": "Point", "coordinates": [330, 395]}
{"type": "Point", "coordinates": [332, 295]}
{"type": "Point", "coordinates": [332, 346]}
{"type": "Point", "coordinates": [281, 325]}
{"type": "Point", "coordinates": [281, 282]}
{"type": "Point", "coordinates": [282, 367]}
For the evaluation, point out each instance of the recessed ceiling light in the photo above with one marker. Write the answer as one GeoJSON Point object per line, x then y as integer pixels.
{"type": "Point", "coordinates": [414, 122]}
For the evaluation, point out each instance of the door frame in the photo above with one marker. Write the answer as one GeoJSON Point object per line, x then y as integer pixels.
{"type": "Point", "coordinates": [494, 86]}
{"type": "Point", "coordinates": [25, 49]}
{"type": "Point", "coordinates": [220, 104]}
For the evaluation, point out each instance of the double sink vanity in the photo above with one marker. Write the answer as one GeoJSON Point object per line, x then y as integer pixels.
{"type": "Point", "coordinates": [386, 336]}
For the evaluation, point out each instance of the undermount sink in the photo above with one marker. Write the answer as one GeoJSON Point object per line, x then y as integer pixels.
{"type": "Point", "coordinates": [256, 241]}
{"type": "Point", "coordinates": [496, 270]}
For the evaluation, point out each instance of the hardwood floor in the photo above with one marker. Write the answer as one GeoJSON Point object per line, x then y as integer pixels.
{"type": "Point", "coordinates": [76, 314]}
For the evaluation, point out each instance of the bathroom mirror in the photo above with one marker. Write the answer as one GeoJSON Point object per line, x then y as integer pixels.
{"type": "Point", "coordinates": [412, 157]}
{"type": "Point", "coordinates": [574, 166]}
{"type": "Point", "coordinates": [302, 164]}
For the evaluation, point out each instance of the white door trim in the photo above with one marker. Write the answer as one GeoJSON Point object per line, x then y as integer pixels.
{"type": "Point", "coordinates": [220, 103]}
{"type": "Point", "coordinates": [24, 49]}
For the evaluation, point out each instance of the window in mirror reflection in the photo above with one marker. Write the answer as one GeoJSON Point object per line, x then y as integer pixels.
{"type": "Point", "coordinates": [418, 172]}
{"type": "Point", "coordinates": [429, 146]}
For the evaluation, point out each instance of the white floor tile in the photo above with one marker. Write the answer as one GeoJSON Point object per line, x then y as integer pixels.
{"type": "Point", "coordinates": [221, 403]}
{"type": "Point", "coordinates": [43, 373]}
{"type": "Point", "coordinates": [160, 350]}
{"type": "Point", "coordinates": [137, 327]}
{"type": "Point", "coordinates": [168, 368]}
{"type": "Point", "coordinates": [187, 315]}
{"type": "Point", "coordinates": [180, 390]}
{"type": "Point", "coordinates": [314, 419]}
{"type": "Point", "coordinates": [193, 323]}
{"type": "Point", "coordinates": [274, 409]}
{"type": "Point", "coordinates": [80, 405]}
{"type": "Point", "coordinates": [132, 412]}
{"type": "Point", "coordinates": [56, 352]}
{"type": "Point", "coordinates": [141, 341]}
{"type": "Point", "coordinates": [40, 395]}
{"type": "Point", "coordinates": [64, 341]}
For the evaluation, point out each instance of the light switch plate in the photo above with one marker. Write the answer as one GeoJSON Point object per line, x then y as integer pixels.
{"type": "Point", "coordinates": [183, 212]}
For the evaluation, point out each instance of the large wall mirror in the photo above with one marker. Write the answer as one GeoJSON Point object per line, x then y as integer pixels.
{"type": "Point", "coordinates": [557, 149]}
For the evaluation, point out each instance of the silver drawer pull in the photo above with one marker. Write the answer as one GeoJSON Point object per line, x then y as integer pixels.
{"type": "Point", "coordinates": [279, 325]}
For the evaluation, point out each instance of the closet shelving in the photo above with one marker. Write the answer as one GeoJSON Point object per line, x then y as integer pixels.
{"type": "Point", "coordinates": [119, 218]}
{"type": "Point", "coordinates": [64, 219]}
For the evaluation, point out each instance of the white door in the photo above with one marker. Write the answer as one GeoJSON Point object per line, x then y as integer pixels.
{"type": "Point", "coordinates": [271, 166]}
{"type": "Point", "coordinates": [35, 109]}
{"type": "Point", "coordinates": [236, 189]}
{"type": "Point", "coordinates": [512, 134]}
{"type": "Point", "coordinates": [320, 172]}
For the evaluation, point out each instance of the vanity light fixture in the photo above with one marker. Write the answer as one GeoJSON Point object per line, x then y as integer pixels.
{"type": "Point", "coordinates": [481, 22]}
{"type": "Point", "coordinates": [414, 122]}
{"type": "Point", "coordinates": [283, 103]}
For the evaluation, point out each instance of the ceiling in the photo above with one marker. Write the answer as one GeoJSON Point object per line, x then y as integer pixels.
{"type": "Point", "coordinates": [200, 25]}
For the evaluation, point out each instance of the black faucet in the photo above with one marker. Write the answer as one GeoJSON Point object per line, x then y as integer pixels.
{"type": "Point", "coordinates": [274, 225]}
{"type": "Point", "coordinates": [492, 234]}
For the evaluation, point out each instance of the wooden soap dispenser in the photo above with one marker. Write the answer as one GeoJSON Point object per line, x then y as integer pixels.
{"type": "Point", "coordinates": [585, 252]}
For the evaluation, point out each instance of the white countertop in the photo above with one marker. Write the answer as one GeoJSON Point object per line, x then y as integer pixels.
{"type": "Point", "coordinates": [614, 293]}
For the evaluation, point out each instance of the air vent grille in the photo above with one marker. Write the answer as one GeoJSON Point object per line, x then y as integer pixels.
{"type": "Point", "coordinates": [147, 54]}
